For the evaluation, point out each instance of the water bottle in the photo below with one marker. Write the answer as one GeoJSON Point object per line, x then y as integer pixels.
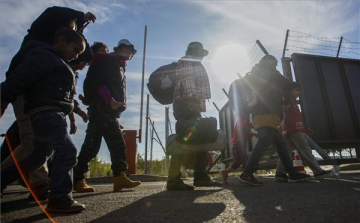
{"type": "Point", "coordinates": [336, 171]}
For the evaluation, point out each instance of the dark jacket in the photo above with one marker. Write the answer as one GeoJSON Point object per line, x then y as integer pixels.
{"type": "Point", "coordinates": [46, 25]}
{"type": "Point", "coordinates": [105, 69]}
{"type": "Point", "coordinates": [271, 88]}
{"type": "Point", "coordinates": [43, 77]}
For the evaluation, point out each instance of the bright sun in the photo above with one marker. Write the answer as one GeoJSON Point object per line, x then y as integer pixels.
{"type": "Point", "coordinates": [229, 60]}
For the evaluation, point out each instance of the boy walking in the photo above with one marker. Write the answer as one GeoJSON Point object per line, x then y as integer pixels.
{"type": "Point", "coordinates": [238, 145]}
{"type": "Point", "coordinates": [47, 83]}
{"type": "Point", "coordinates": [294, 129]}
{"type": "Point", "coordinates": [106, 81]}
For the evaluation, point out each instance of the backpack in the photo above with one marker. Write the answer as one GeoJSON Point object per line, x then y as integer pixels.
{"type": "Point", "coordinates": [240, 93]}
{"type": "Point", "coordinates": [162, 83]}
{"type": "Point", "coordinates": [268, 87]}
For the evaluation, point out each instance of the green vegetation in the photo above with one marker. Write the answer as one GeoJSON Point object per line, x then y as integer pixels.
{"type": "Point", "coordinates": [98, 168]}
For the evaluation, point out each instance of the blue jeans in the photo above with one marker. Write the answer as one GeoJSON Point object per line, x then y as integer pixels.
{"type": "Point", "coordinates": [50, 136]}
{"type": "Point", "coordinates": [269, 136]}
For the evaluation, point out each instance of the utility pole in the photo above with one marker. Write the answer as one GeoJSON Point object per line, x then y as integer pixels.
{"type": "Point", "coordinates": [146, 133]}
{"type": "Point", "coordinates": [142, 84]}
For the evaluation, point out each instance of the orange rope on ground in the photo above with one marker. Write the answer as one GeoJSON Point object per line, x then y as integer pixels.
{"type": "Point", "coordinates": [25, 180]}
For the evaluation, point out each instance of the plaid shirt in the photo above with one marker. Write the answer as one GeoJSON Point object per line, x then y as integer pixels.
{"type": "Point", "coordinates": [193, 82]}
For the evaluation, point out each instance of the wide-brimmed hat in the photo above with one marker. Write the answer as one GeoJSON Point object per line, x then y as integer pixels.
{"type": "Point", "coordinates": [196, 49]}
{"type": "Point", "coordinates": [126, 42]}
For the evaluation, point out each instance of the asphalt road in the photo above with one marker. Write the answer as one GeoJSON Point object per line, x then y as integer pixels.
{"type": "Point", "coordinates": [326, 201]}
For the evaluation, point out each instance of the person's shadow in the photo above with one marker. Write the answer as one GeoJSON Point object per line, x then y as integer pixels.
{"type": "Point", "coordinates": [312, 201]}
{"type": "Point", "coordinates": [168, 206]}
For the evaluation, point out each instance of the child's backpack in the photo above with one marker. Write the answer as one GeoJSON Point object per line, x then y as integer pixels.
{"type": "Point", "coordinates": [162, 83]}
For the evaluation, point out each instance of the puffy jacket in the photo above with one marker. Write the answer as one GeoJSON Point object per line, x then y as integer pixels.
{"type": "Point", "coordinates": [47, 24]}
{"type": "Point", "coordinates": [105, 69]}
{"type": "Point", "coordinates": [293, 120]}
{"type": "Point", "coordinates": [43, 77]}
{"type": "Point", "coordinates": [271, 88]}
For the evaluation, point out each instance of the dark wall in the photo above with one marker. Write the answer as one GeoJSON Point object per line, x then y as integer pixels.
{"type": "Point", "coordinates": [330, 98]}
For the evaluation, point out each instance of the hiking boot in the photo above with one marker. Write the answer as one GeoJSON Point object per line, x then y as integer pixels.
{"type": "Point", "coordinates": [81, 186]}
{"type": "Point", "coordinates": [178, 185]}
{"type": "Point", "coordinates": [224, 176]}
{"type": "Point", "coordinates": [207, 183]}
{"type": "Point", "coordinates": [251, 180]}
{"type": "Point", "coordinates": [323, 174]}
{"type": "Point", "coordinates": [281, 177]}
{"type": "Point", "coordinates": [299, 177]}
{"type": "Point", "coordinates": [123, 181]}
{"type": "Point", "coordinates": [64, 206]}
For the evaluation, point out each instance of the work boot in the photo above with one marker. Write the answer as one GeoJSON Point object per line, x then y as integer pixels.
{"type": "Point", "coordinates": [64, 206]}
{"type": "Point", "coordinates": [178, 185]}
{"type": "Point", "coordinates": [81, 186]}
{"type": "Point", "coordinates": [122, 181]}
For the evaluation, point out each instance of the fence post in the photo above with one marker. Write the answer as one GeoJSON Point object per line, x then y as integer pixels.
{"type": "Point", "coordinates": [337, 54]}
{"type": "Point", "coordinates": [167, 122]}
{"type": "Point", "coordinates": [146, 133]}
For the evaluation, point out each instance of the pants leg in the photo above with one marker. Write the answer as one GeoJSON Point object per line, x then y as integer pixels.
{"type": "Point", "coordinates": [26, 147]}
{"type": "Point", "coordinates": [175, 165]}
{"type": "Point", "coordinates": [34, 161]}
{"type": "Point", "coordinates": [14, 139]}
{"type": "Point", "coordinates": [39, 176]}
{"type": "Point", "coordinates": [51, 132]}
{"type": "Point", "coordinates": [265, 140]}
{"type": "Point", "coordinates": [285, 158]}
{"type": "Point", "coordinates": [301, 144]}
{"type": "Point", "coordinates": [116, 145]}
{"type": "Point", "coordinates": [26, 134]}
{"type": "Point", "coordinates": [290, 148]}
{"type": "Point", "coordinates": [200, 167]}
{"type": "Point", "coordinates": [181, 111]}
{"type": "Point", "coordinates": [89, 149]}
{"type": "Point", "coordinates": [267, 137]}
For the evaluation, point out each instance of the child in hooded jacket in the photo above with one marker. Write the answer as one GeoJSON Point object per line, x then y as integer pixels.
{"type": "Point", "coordinates": [294, 130]}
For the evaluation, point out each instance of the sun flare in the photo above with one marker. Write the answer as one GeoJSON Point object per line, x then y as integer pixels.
{"type": "Point", "coordinates": [229, 60]}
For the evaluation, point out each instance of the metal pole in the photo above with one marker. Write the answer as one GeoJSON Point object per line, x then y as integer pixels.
{"type": "Point", "coordinates": [216, 106]}
{"type": "Point", "coordinates": [239, 75]}
{"type": "Point", "coordinates": [146, 133]}
{"type": "Point", "coordinates": [157, 136]}
{"type": "Point", "coordinates": [337, 54]}
{"type": "Point", "coordinates": [151, 147]}
{"type": "Point", "coordinates": [142, 85]}
{"type": "Point", "coordinates": [167, 122]}
{"type": "Point", "coordinates": [225, 93]}
{"type": "Point", "coordinates": [262, 47]}
{"type": "Point", "coordinates": [286, 39]}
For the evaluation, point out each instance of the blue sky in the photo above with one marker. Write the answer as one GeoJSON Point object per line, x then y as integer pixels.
{"type": "Point", "coordinates": [228, 29]}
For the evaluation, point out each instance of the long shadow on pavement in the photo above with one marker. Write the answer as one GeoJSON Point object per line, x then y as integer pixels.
{"type": "Point", "coordinates": [328, 200]}
{"type": "Point", "coordinates": [167, 206]}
